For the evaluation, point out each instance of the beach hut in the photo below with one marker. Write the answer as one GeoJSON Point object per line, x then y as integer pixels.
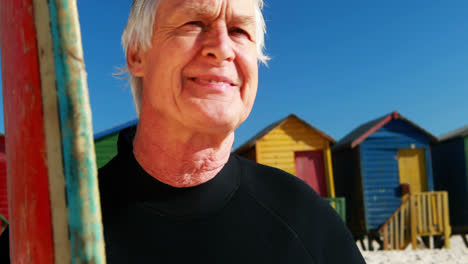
{"type": "Point", "coordinates": [3, 180]}
{"type": "Point", "coordinates": [105, 142]}
{"type": "Point", "coordinates": [375, 165]}
{"type": "Point", "coordinates": [293, 145]}
{"type": "Point", "coordinates": [450, 159]}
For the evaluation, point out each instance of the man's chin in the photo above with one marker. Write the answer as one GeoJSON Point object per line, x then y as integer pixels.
{"type": "Point", "coordinates": [216, 124]}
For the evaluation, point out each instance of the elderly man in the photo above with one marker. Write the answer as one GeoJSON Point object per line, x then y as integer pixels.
{"type": "Point", "coordinates": [175, 193]}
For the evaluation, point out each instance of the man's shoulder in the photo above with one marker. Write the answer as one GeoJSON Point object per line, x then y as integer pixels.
{"type": "Point", "coordinates": [112, 179]}
{"type": "Point", "coordinates": [305, 213]}
{"type": "Point", "coordinates": [286, 195]}
{"type": "Point", "coordinates": [111, 168]}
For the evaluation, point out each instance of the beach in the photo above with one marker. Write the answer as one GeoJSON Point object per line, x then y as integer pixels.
{"type": "Point", "coordinates": [457, 254]}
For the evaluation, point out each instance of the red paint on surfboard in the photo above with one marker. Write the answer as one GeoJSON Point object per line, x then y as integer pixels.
{"type": "Point", "coordinates": [30, 214]}
{"type": "Point", "coordinates": [3, 180]}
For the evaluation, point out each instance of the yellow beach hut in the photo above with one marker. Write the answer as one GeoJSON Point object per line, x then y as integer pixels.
{"type": "Point", "coordinates": [293, 145]}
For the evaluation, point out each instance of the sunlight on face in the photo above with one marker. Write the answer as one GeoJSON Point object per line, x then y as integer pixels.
{"type": "Point", "coordinates": [201, 70]}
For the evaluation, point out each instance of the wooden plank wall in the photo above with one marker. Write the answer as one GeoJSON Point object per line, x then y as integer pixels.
{"type": "Point", "coordinates": [251, 154]}
{"type": "Point", "coordinates": [379, 168]}
{"type": "Point", "coordinates": [277, 148]}
{"type": "Point", "coordinates": [106, 149]}
{"type": "Point", "coordinates": [348, 184]}
{"type": "Point", "coordinates": [450, 175]}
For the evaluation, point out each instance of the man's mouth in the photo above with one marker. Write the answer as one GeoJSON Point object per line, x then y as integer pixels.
{"type": "Point", "coordinates": [217, 80]}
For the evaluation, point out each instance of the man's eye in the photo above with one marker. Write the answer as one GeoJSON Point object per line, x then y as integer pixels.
{"type": "Point", "coordinates": [196, 23]}
{"type": "Point", "coordinates": [239, 31]}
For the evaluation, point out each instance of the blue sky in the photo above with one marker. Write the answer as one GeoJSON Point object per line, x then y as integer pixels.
{"type": "Point", "coordinates": [335, 64]}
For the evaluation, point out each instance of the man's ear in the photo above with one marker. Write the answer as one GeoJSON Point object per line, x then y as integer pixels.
{"type": "Point", "coordinates": [135, 61]}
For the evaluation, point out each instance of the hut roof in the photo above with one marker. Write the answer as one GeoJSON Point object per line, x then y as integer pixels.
{"type": "Point", "coordinates": [251, 142]}
{"type": "Point", "coordinates": [363, 131]}
{"type": "Point", "coordinates": [458, 133]}
{"type": "Point", "coordinates": [115, 129]}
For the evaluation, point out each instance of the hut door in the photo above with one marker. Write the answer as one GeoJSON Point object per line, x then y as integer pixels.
{"type": "Point", "coordinates": [412, 169]}
{"type": "Point", "coordinates": [310, 168]}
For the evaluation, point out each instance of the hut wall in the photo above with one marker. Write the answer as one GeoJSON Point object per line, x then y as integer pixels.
{"type": "Point", "coordinates": [450, 174]}
{"type": "Point", "coordinates": [277, 147]}
{"type": "Point", "coordinates": [379, 169]}
{"type": "Point", "coordinates": [249, 154]}
{"type": "Point", "coordinates": [106, 149]}
{"type": "Point", "coordinates": [348, 184]}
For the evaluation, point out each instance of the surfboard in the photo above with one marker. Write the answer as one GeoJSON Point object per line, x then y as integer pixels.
{"type": "Point", "coordinates": [54, 207]}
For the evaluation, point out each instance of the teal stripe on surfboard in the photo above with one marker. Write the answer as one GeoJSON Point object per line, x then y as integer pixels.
{"type": "Point", "coordinates": [86, 234]}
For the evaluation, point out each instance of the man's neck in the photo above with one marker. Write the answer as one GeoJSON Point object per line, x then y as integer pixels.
{"type": "Point", "coordinates": [179, 157]}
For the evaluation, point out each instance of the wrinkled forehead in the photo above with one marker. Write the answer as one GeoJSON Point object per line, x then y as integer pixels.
{"type": "Point", "coordinates": [209, 8]}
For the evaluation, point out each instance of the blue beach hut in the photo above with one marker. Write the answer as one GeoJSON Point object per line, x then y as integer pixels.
{"type": "Point", "coordinates": [374, 163]}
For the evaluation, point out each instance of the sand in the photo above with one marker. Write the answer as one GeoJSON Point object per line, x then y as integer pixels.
{"type": "Point", "coordinates": [457, 254]}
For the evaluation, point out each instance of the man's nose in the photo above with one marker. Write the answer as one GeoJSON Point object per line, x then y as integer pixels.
{"type": "Point", "coordinates": [218, 44]}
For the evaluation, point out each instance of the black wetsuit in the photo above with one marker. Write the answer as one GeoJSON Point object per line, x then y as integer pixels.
{"type": "Point", "coordinates": [248, 213]}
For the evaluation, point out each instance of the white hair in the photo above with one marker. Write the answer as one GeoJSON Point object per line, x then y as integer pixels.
{"type": "Point", "coordinates": [139, 32]}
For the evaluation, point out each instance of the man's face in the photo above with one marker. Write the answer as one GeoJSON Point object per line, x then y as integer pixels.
{"type": "Point", "coordinates": [202, 67]}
